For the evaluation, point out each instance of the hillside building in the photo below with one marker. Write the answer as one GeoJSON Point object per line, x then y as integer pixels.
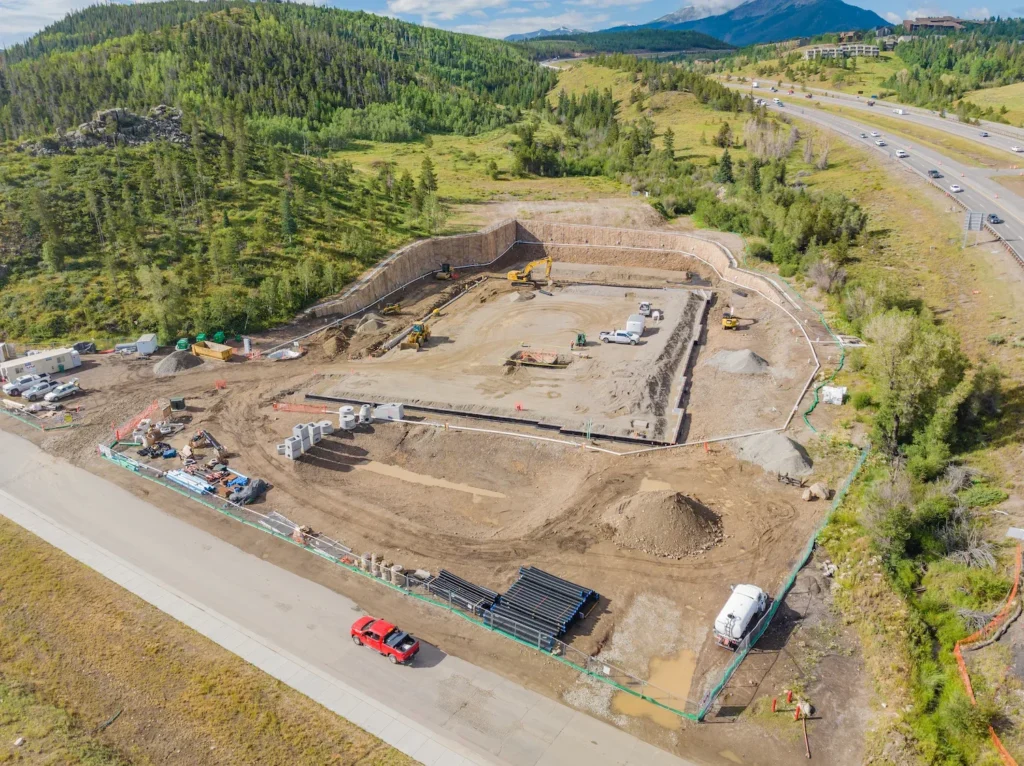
{"type": "Point", "coordinates": [845, 50]}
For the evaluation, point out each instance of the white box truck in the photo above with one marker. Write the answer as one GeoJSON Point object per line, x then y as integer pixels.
{"type": "Point", "coordinates": [739, 614]}
{"type": "Point", "coordinates": [635, 323]}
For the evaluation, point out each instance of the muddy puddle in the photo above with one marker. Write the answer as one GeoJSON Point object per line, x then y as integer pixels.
{"type": "Point", "coordinates": [383, 469]}
{"type": "Point", "coordinates": [672, 676]}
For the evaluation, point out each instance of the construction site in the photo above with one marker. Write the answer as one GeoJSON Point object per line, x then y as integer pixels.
{"type": "Point", "coordinates": [462, 417]}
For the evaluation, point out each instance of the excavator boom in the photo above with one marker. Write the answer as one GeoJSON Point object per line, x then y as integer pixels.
{"type": "Point", "coordinates": [524, 275]}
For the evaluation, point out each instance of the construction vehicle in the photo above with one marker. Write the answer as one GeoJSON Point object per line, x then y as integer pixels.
{"type": "Point", "coordinates": [729, 320]}
{"type": "Point", "coordinates": [581, 340]}
{"type": "Point", "coordinates": [739, 614]}
{"type": "Point", "coordinates": [417, 337]}
{"type": "Point", "coordinates": [645, 308]}
{"type": "Point", "coordinates": [391, 308]}
{"type": "Point", "coordinates": [524, 275]}
{"type": "Point", "coordinates": [445, 272]}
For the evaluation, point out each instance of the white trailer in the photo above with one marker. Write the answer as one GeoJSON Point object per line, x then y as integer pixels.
{"type": "Point", "coordinates": [635, 323]}
{"type": "Point", "coordinates": [50, 362]}
{"type": "Point", "coordinates": [739, 614]}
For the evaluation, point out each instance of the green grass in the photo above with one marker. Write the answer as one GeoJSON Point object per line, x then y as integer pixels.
{"type": "Point", "coordinates": [1010, 96]}
{"type": "Point", "coordinates": [867, 78]}
{"type": "Point", "coordinates": [76, 648]}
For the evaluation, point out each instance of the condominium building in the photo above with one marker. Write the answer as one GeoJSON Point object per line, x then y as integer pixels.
{"type": "Point", "coordinates": [846, 50]}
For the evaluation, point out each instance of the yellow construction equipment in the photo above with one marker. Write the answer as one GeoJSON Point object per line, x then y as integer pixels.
{"type": "Point", "coordinates": [418, 336]}
{"type": "Point", "coordinates": [445, 272]}
{"type": "Point", "coordinates": [729, 322]}
{"type": "Point", "coordinates": [391, 308]}
{"type": "Point", "coordinates": [524, 275]}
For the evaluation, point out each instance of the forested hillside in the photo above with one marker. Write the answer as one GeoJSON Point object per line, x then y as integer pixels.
{"type": "Point", "coordinates": [622, 41]}
{"type": "Point", "coordinates": [293, 67]}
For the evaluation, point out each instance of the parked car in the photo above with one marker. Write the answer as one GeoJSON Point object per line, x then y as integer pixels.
{"type": "Point", "coordinates": [934, 174]}
{"type": "Point", "coordinates": [956, 188]}
{"type": "Point", "coordinates": [880, 142]}
{"type": "Point", "coordinates": [397, 645]}
{"type": "Point", "coordinates": [25, 382]}
{"type": "Point", "coordinates": [63, 391]}
{"type": "Point", "coordinates": [993, 218]}
{"type": "Point", "coordinates": [619, 336]}
{"type": "Point", "coordinates": [901, 154]}
{"type": "Point", "coordinates": [39, 390]}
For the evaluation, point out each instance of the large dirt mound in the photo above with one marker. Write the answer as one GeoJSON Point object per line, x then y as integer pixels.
{"type": "Point", "coordinates": [369, 323]}
{"type": "Point", "coordinates": [176, 362]}
{"type": "Point", "coordinates": [741, 362]}
{"type": "Point", "coordinates": [775, 453]}
{"type": "Point", "coordinates": [663, 523]}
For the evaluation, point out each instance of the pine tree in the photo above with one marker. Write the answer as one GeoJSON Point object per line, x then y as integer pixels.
{"type": "Point", "coordinates": [289, 226]}
{"type": "Point", "coordinates": [428, 181]}
{"type": "Point", "coordinates": [724, 173]}
{"type": "Point", "coordinates": [669, 141]}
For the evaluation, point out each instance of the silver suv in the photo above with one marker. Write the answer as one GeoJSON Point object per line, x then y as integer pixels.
{"type": "Point", "coordinates": [39, 390]}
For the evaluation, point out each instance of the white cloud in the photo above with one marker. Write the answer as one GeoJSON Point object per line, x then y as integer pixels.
{"type": "Point", "coordinates": [502, 27]}
{"type": "Point", "coordinates": [447, 11]}
{"type": "Point", "coordinates": [979, 13]}
{"type": "Point", "coordinates": [513, 11]}
{"type": "Point", "coordinates": [19, 19]}
{"type": "Point", "coordinates": [918, 13]}
{"type": "Point", "coordinates": [892, 18]}
{"type": "Point", "coordinates": [607, 3]}
{"type": "Point", "coordinates": [542, 5]}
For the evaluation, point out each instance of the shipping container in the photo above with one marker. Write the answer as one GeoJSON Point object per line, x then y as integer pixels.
{"type": "Point", "coordinates": [50, 362]}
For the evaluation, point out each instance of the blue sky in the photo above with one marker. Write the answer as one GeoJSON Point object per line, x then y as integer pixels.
{"type": "Point", "coordinates": [497, 18]}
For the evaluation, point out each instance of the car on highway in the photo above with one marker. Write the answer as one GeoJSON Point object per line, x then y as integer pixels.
{"type": "Point", "coordinates": [63, 391]}
{"type": "Point", "coordinates": [386, 639]}
{"type": "Point", "coordinates": [880, 142]}
{"type": "Point", "coordinates": [808, 96]}
{"type": "Point", "coordinates": [934, 173]}
{"type": "Point", "coordinates": [875, 134]}
{"type": "Point", "coordinates": [901, 154]}
{"type": "Point", "coordinates": [1017, 148]}
{"type": "Point", "coordinates": [956, 188]}
{"type": "Point", "coordinates": [863, 135]}
{"type": "Point", "coordinates": [993, 218]}
{"type": "Point", "coordinates": [25, 382]}
{"type": "Point", "coordinates": [619, 336]}
{"type": "Point", "coordinates": [874, 95]}
{"type": "Point", "coordinates": [984, 134]}
{"type": "Point", "coordinates": [39, 390]}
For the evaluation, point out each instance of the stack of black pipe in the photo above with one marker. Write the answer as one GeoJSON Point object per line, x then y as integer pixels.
{"type": "Point", "coordinates": [540, 603]}
{"type": "Point", "coordinates": [462, 593]}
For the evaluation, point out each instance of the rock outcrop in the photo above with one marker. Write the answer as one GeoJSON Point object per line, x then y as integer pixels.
{"type": "Point", "coordinates": [110, 127]}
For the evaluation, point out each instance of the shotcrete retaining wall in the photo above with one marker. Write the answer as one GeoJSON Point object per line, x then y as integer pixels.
{"type": "Point", "coordinates": [420, 259]}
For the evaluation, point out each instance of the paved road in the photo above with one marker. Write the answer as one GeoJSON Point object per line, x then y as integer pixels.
{"type": "Point", "coordinates": [452, 712]}
{"type": "Point", "coordinates": [980, 193]}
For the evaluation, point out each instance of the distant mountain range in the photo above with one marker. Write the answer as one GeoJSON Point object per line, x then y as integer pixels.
{"type": "Point", "coordinates": [762, 21]}
{"type": "Point", "coordinates": [561, 31]}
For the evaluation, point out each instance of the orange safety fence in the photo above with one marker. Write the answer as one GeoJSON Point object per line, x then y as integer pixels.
{"type": "Point", "coordinates": [289, 407]}
{"type": "Point", "coordinates": [131, 425]}
{"type": "Point", "coordinates": [994, 624]}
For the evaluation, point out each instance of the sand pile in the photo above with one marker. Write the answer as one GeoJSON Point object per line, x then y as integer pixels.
{"type": "Point", "coordinates": [520, 297]}
{"type": "Point", "coordinates": [741, 362]}
{"type": "Point", "coordinates": [663, 523]}
{"type": "Point", "coordinates": [369, 323]}
{"type": "Point", "coordinates": [176, 362]}
{"type": "Point", "coordinates": [774, 453]}
{"type": "Point", "coordinates": [332, 346]}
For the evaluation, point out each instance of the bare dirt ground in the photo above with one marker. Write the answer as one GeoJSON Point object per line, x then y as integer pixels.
{"type": "Point", "coordinates": [482, 505]}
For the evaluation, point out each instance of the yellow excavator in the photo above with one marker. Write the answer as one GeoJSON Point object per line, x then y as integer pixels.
{"type": "Point", "coordinates": [729, 320]}
{"type": "Point", "coordinates": [524, 275]}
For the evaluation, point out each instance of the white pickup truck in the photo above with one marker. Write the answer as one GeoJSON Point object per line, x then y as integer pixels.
{"type": "Point", "coordinates": [619, 336]}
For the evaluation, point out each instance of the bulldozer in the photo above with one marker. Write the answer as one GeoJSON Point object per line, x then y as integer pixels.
{"type": "Point", "coordinates": [391, 308]}
{"type": "Point", "coordinates": [417, 337]}
{"type": "Point", "coordinates": [445, 272]}
{"type": "Point", "coordinates": [729, 320]}
{"type": "Point", "coordinates": [523, 276]}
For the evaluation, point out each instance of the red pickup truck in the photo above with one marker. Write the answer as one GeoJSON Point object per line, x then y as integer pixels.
{"type": "Point", "coordinates": [397, 645]}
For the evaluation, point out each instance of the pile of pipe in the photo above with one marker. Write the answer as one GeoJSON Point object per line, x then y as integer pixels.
{"type": "Point", "coordinates": [462, 593]}
{"type": "Point", "coordinates": [540, 607]}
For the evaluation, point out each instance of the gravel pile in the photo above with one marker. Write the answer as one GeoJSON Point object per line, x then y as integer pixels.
{"type": "Point", "coordinates": [176, 362]}
{"type": "Point", "coordinates": [663, 523]}
{"type": "Point", "coordinates": [742, 362]}
{"type": "Point", "coordinates": [369, 323]}
{"type": "Point", "coordinates": [775, 453]}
